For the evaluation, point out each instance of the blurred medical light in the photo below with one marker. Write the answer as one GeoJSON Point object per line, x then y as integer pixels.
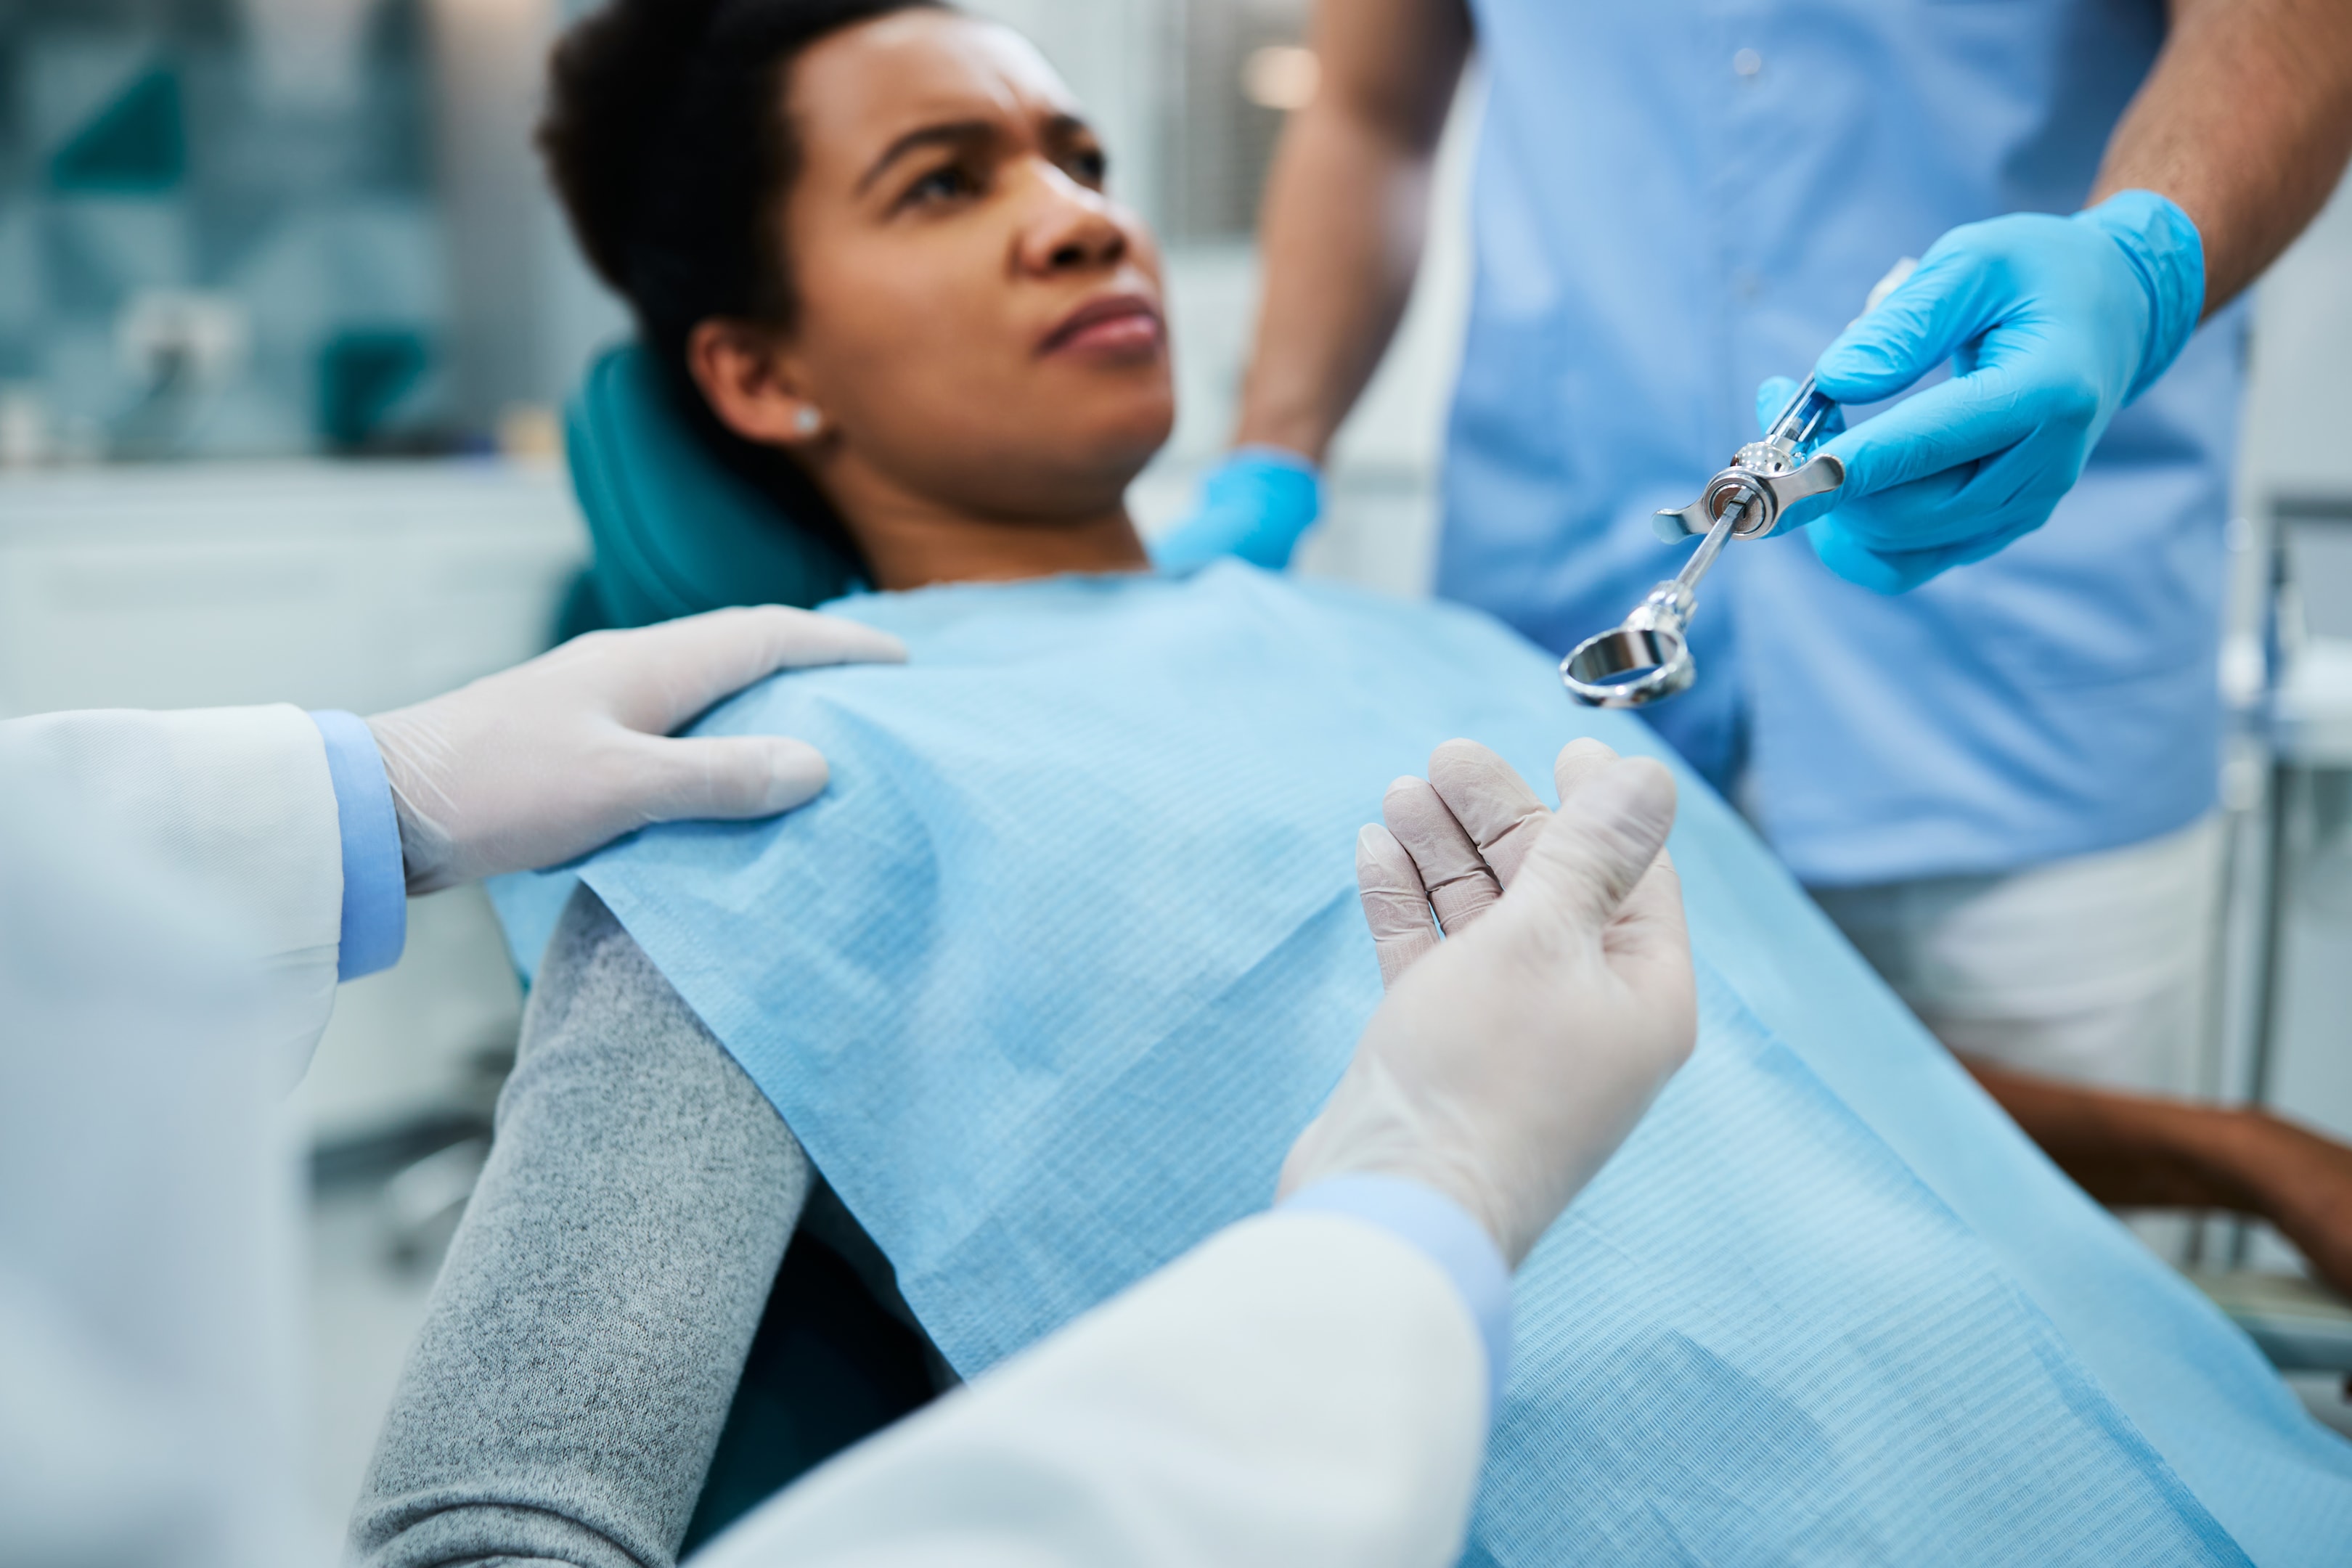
{"type": "Point", "coordinates": [1281, 76]}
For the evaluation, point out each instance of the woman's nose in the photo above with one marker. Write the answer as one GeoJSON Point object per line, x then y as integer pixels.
{"type": "Point", "coordinates": [1071, 229]}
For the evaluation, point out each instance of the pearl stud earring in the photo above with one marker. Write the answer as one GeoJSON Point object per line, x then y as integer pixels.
{"type": "Point", "coordinates": [808, 421]}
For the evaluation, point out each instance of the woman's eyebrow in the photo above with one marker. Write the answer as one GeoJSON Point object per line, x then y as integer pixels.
{"type": "Point", "coordinates": [953, 132]}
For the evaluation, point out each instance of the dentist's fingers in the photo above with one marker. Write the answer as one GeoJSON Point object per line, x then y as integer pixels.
{"type": "Point", "coordinates": [1396, 904]}
{"type": "Point", "coordinates": [1494, 804]}
{"type": "Point", "coordinates": [1461, 887]}
{"type": "Point", "coordinates": [1954, 422]}
{"type": "Point", "coordinates": [666, 674]}
{"type": "Point", "coordinates": [727, 778]}
{"type": "Point", "coordinates": [1602, 844]}
{"type": "Point", "coordinates": [1579, 762]}
{"type": "Point", "coordinates": [1940, 304]}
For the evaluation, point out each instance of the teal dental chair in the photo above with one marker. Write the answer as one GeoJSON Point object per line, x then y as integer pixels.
{"type": "Point", "coordinates": [677, 529]}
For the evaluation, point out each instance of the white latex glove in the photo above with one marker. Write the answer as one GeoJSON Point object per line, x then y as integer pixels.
{"type": "Point", "coordinates": [547, 761]}
{"type": "Point", "coordinates": [1511, 1060]}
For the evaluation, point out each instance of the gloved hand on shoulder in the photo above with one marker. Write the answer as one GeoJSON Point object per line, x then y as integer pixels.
{"type": "Point", "coordinates": [2051, 325]}
{"type": "Point", "coordinates": [1253, 505]}
{"type": "Point", "coordinates": [541, 764]}
{"type": "Point", "coordinates": [1515, 1054]}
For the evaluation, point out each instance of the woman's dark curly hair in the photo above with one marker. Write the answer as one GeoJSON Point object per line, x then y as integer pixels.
{"type": "Point", "coordinates": [669, 139]}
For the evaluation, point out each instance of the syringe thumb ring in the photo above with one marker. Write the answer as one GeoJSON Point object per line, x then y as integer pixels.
{"type": "Point", "coordinates": [1628, 666]}
{"type": "Point", "coordinates": [1639, 662]}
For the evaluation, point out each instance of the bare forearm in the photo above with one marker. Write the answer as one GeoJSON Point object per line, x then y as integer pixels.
{"type": "Point", "coordinates": [1342, 237]}
{"type": "Point", "coordinates": [2131, 1150]}
{"type": "Point", "coordinates": [1346, 211]}
{"type": "Point", "coordinates": [2139, 1151]}
{"type": "Point", "coordinates": [2246, 122]}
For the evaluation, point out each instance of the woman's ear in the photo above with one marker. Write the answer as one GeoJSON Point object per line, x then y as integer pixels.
{"type": "Point", "coordinates": [751, 384]}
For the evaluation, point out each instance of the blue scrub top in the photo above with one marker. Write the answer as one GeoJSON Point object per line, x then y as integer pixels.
{"type": "Point", "coordinates": [1675, 200]}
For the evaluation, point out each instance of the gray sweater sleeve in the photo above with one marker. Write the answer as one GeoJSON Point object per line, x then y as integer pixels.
{"type": "Point", "coordinates": [588, 1330]}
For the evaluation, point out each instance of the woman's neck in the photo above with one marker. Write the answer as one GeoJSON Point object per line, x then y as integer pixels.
{"type": "Point", "coordinates": [938, 550]}
{"type": "Point", "coordinates": [909, 543]}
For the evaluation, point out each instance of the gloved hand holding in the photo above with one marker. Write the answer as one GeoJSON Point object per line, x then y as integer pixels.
{"type": "Point", "coordinates": [547, 761]}
{"type": "Point", "coordinates": [1253, 505]}
{"type": "Point", "coordinates": [1514, 1056]}
{"type": "Point", "coordinates": [2051, 325]}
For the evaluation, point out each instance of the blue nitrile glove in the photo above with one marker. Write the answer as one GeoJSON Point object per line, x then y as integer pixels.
{"type": "Point", "coordinates": [2052, 325]}
{"type": "Point", "coordinates": [1255, 505]}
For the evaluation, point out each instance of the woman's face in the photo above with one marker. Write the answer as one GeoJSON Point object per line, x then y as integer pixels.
{"type": "Point", "coordinates": [979, 324]}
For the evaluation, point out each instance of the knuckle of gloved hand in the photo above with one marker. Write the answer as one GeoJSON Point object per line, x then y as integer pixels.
{"type": "Point", "coordinates": [1872, 359]}
{"type": "Point", "coordinates": [628, 774]}
{"type": "Point", "coordinates": [1396, 916]}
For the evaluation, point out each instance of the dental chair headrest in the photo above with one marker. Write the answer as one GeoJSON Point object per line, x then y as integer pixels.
{"type": "Point", "coordinates": [675, 532]}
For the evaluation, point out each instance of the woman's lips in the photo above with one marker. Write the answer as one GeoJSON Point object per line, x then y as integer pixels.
{"type": "Point", "coordinates": [1120, 325]}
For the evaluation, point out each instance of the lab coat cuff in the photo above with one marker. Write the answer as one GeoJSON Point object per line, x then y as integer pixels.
{"type": "Point", "coordinates": [375, 881]}
{"type": "Point", "coordinates": [1441, 1230]}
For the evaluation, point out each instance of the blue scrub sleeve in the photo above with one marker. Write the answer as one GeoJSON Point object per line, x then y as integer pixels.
{"type": "Point", "coordinates": [375, 881]}
{"type": "Point", "coordinates": [1443, 1231]}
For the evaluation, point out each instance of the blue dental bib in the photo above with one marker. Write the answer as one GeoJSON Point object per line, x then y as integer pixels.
{"type": "Point", "coordinates": [1051, 976]}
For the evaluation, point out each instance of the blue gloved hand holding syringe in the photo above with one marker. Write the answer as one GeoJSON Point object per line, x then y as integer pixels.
{"type": "Point", "coordinates": [2052, 325]}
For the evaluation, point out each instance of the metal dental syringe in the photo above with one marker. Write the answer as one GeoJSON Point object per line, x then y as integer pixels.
{"type": "Point", "coordinates": [1647, 658]}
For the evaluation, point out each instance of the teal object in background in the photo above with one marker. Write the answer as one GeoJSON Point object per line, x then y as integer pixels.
{"type": "Point", "coordinates": [676, 532]}
{"type": "Point", "coordinates": [136, 145]}
{"type": "Point", "coordinates": [146, 149]}
{"type": "Point", "coordinates": [363, 377]}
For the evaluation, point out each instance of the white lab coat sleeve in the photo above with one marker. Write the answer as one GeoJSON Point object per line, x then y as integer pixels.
{"type": "Point", "coordinates": [150, 1333]}
{"type": "Point", "coordinates": [1305, 1388]}
{"type": "Point", "coordinates": [237, 804]}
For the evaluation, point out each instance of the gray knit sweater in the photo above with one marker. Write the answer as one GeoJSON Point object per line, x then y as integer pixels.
{"type": "Point", "coordinates": [584, 1339]}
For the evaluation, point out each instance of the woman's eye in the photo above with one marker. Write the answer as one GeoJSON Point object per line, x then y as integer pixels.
{"type": "Point", "coordinates": [1090, 166]}
{"type": "Point", "coordinates": [950, 182]}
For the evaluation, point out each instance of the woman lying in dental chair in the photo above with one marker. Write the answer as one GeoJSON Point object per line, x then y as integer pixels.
{"type": "Point", "coordinates": [1037, 995]}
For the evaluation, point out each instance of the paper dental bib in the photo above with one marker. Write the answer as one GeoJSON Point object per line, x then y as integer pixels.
{"type": "Point", "coordinates": [1051, 976]}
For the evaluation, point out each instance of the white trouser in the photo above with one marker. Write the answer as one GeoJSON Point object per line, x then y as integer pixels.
{"type": "Point", "coordinates": [2095, 969]}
